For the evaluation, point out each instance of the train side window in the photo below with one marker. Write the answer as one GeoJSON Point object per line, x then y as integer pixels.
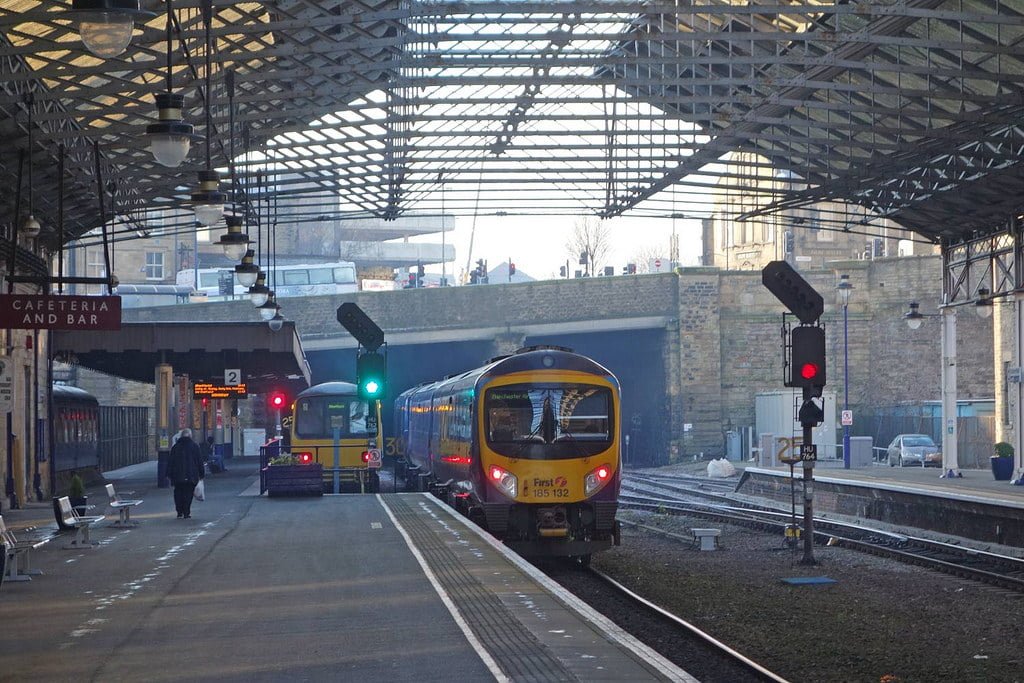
{"type": "Point", "coordinates": [320, 276]}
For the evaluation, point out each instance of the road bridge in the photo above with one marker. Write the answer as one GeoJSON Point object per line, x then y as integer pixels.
{"type": "Point", "coordinates": [691, 348]}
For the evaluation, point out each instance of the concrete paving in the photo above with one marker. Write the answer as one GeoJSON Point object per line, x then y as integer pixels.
{"type": "Point", "coordinates": [260, 589]}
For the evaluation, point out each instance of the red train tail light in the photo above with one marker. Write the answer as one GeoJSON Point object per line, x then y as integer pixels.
{"type": "Point", "coordinates": [596, 478]}
{"type": "Point", "coordinates": [305, 458]}
{"type": "Point", "coordinates": [504, 480]}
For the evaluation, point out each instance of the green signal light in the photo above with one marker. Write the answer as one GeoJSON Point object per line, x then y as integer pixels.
{"type": "Point", "coordinates": [371, 375]}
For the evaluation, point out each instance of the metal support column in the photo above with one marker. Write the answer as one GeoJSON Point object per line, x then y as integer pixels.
{"type": "Point", "coordinates": [164, 401]}
{"type": "Point", "coordinates": [950, 462]}
{"type": "Point", "coordinates": [1018, 416]}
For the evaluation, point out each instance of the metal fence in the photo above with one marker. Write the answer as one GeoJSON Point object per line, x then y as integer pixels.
{"type": "Point", "coordinates": [125, 436]}
{"type": "Point", "coordinates": [976, 434]}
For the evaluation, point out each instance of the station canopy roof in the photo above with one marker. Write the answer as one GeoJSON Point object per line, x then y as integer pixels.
{"type": "Point", "coordinates": [202, 350]}
{"type": "Point", "coordinates": [907, 111]}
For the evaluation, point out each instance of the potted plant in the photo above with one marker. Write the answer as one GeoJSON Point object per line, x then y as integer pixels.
{"type": "Point", "coordinates": [286, 476]}
{"type": "Point", "coordinates": [76, 494]}
{"type": "Point", "coordinates": [1002, 461]}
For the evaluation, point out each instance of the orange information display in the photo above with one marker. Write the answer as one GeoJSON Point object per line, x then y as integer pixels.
{"type": "Point", "coordinates": [206, 390]}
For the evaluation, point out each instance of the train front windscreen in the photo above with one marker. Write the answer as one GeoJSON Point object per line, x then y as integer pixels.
{"type": "Point", "coordinates": [317, 417]}
{"type": "Point", "coordinates": [548, 422]}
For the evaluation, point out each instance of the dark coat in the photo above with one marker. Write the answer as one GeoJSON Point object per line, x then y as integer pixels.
{"type": "Point", "coordinates": [185, 463]}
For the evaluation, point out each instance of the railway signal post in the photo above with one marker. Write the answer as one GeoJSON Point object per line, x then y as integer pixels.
{"type": "Point", "coordinates": [804, 360]}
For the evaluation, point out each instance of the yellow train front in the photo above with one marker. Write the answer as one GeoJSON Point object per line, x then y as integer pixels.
{"type": "Point", "coordinates": [527, 446]}
{"type": "Point", "coordinates": [334, 410]}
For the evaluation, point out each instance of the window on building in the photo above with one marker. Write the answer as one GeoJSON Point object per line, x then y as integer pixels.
{"type": "Point", "coordinates": [154, 265]}
{"type": "Point", "coordinates": [95, 266]}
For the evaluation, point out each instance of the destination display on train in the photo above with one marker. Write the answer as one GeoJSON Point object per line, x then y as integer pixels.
{"type": "Point", "coordinates": [207, 390]}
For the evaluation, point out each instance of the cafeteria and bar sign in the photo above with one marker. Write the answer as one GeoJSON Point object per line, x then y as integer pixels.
{"type": "Point", "coordinates": [207, 390]}
{"type": "Point", "coordinates": [59, 312]}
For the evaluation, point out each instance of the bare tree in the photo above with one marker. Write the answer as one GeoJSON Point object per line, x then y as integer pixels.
{"type": "Point", "coordinates": [643, 256]}
{"type": "Point", "coordinates": [592, 238]}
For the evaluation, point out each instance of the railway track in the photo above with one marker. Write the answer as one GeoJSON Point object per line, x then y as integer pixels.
{"type": "Point", "coordinates": [691, 496]}
{"type": "Point", "coordinates": [703, 656]}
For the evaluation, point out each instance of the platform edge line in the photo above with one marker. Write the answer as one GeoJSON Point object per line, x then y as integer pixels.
{"type": "Point", "coordinates": [614, 631]}
{"type": "Point", "coordinates": [481, 651]}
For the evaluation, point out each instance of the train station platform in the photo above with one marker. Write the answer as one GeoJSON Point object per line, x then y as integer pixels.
{"type": "Point", "coordinates": [390, 587]}
{"type": "Point", "coordinates": [973, 506]}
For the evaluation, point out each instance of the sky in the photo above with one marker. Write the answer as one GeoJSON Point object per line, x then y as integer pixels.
{"type": "Point", "coordinates": [537, 244]}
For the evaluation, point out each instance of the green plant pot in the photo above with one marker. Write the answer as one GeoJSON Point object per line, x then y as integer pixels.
{"type": "Point", "coordinates": [1002, 468]}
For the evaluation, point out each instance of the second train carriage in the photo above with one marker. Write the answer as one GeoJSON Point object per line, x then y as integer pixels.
{"type": "Point", "coordinates": [527, 445]}
{"type": "Point", "coordinates": [331, 409]}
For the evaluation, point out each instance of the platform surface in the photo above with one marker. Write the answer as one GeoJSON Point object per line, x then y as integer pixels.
{"type": "Point", "coordinates": [972, 484]}
{"type": "Point", "coordinates": [353, 587]}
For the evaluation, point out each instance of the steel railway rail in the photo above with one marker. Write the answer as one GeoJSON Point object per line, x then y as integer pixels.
{"type": "Point", "coordinates": [697, 652]}
{"type": "Point", "coordinates": [980, 565]}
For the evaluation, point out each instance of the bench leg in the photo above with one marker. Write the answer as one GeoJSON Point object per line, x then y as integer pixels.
{"type": "Point", "coordinates": [12, 571]}
{"type": "Point", "coordinates": [124, 520]}
{"type": "Point", "coordinates": [81, 541]}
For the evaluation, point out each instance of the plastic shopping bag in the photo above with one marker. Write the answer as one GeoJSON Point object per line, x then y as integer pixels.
{"type": "Point", "coordinates": [200, 492]}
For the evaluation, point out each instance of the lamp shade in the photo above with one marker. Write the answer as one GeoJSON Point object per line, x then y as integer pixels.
{"type": "Point", "coordinates": [276, 323]}
{"type": "Point", "coordinates": [269, 308]}
{"type": "Point", "coordinates": [106, 35]}
{"type": "Point", "coordinates": [914, 317]}
{"type": "Point", "coordinates": [208, 200]}
{"type": "Point", "coordinates": [234, 242]}
{"type": "Point", "coordinates": [259, 292]}
{"type": "Point", "coordinates": [31, 227]}
{"type": "Point", "coordinates": [983, 306]}
{"type": "Point", "coordinates": [171, 138]}
{"type": "Point", "coordinates": [106, 26]}
{"type": "Point", "coordinates": [246, 272]}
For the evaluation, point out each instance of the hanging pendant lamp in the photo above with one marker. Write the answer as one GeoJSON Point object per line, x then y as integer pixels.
{"type": "Point", "coordinates": [269, 308]}
{"type": "Point", "coordinates": [106, 26]}
{"type": "Point", "coordinates": [208, 201]}
{"type": "Point", "coordinates": [30, 227]}
{"type": "Point", "coordinates": [170, 138]}
{"type": "Point", "coordinates": [234, 242]}
{"type": "Point", "coordinates": [246, 272]}
{"type": "Point", "coordinates": [259, 293]}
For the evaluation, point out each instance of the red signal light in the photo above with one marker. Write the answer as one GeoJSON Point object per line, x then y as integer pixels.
{"type": "Point", "coordinates": [305, 458]}
{"type": "Point", "coordinates": [809, 370]}
{"type": "Point", "coordinates": [277, 400]}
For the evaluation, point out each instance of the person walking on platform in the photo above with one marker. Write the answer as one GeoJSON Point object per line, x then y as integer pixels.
{"type": "Point", "coordinates": [185, 469]}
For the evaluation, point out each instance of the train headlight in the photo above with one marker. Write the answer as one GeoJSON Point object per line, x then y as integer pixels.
{"type": "Point", "coordinates": [596, 479]}
{"type": "Point", "coordinates": [504, 480]}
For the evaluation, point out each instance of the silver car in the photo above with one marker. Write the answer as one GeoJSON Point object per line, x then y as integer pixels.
{"type": "Point", "coordinates": [914, 449]}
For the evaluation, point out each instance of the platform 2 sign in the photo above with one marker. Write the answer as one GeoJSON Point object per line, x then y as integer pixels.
{"type": "Point", "coordinates": [59, 312]}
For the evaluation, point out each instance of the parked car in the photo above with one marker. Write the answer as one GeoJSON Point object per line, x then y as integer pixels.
{"type": "Point", "coordinates": [914, 449]}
